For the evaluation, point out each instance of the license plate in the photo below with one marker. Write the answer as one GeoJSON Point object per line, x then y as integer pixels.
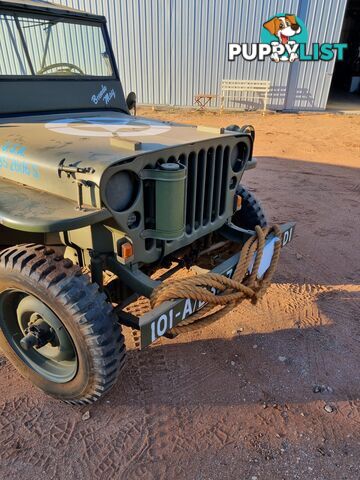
{"type": "Point", "coordinates": [157, 322]}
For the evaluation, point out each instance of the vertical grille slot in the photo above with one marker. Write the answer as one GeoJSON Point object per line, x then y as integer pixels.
{"type": "Point", "coordinates": [209, 185]}
{"type": "Point", "coordinates": [191, 194]}
{"type": "Point", "coordinates": [217, 183]}
{"type": "Point", "coordinates": [224, 186]}
{"type": "Point", "coordinates": [183, 160]}
{"type": "Point", "coordinates": [200, 188]}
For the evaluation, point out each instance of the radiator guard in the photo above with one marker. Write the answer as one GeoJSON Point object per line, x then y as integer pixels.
{"type": "Point", "coordinates": [212, 175]}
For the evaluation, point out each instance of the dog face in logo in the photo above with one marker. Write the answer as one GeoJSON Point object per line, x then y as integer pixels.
{"type": "Point", "coordinates": [283, 28]}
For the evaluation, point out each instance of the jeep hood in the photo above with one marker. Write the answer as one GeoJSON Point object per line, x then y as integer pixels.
{"type": "Point", "coordinates": [33, 147]}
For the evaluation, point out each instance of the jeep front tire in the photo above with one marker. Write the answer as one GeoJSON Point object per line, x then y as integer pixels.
{"type": "Point", "coordinates": [56, 327]}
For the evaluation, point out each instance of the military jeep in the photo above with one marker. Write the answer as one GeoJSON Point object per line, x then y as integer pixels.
{"type": "Point", "coordinates": [98, 206]}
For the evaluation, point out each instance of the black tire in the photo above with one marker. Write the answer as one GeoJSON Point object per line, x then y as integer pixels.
{"type": "Point", "coordinates": [36, 272]}
{"type": "Point", "coordinates": [251, 212]}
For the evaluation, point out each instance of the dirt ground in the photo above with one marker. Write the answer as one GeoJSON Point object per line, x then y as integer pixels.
{"type": "Point", "coordinates": [238, 400]}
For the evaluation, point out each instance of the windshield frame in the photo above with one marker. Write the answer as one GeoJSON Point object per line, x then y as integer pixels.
{"type": "Point", "coordinates": [65, 18]}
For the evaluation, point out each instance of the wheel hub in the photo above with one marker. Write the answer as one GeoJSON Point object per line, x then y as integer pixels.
{"type": "Point", "coordinates": [38, 334]}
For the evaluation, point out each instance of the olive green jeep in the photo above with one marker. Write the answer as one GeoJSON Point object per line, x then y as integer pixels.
{"type": "Point", "coordinates": [98, 206]}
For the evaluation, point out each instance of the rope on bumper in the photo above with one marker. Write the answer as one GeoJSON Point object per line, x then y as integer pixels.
{"type": "Point", "coordinates": [232, 291]}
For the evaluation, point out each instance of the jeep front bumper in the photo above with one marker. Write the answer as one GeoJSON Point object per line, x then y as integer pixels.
{"type": "Point", "coordinates": [155, 323]}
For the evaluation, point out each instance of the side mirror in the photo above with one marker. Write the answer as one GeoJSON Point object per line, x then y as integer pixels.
{"type": "Point", "coordinates": [131, 101]}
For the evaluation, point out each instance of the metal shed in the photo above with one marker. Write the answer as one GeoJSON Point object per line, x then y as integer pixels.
{"type": "Point", "coordinates": [169, 50]}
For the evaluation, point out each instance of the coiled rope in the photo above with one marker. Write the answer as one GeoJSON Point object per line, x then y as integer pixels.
{"type": "Point", "coordinates": [232, 291]}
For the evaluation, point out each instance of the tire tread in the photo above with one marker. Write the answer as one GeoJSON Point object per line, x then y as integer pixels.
{"type": "Point", "coordinates": [251, 212]}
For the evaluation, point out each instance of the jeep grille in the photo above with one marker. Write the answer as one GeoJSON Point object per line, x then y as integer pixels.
{"type": "Point", "coordinates": [213, 170]}
{"type": "Point", "coordinates": [206, 185]}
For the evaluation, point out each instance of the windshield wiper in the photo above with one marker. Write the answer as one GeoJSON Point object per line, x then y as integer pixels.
{"type": "Point", "coordinates": [38, 25]}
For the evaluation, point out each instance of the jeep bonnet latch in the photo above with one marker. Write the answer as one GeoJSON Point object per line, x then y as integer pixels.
{"type": "Point", "coordinates": [71, 170]}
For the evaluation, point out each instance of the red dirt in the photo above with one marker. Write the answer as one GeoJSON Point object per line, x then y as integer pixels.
{"type": "Point", "coordinates": [224, 403]}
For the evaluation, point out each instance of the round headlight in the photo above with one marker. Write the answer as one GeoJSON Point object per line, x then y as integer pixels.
{"type": "Point", "coordinates": [121, 190]}
{"type": "Point", "coordinates": [239, 156]}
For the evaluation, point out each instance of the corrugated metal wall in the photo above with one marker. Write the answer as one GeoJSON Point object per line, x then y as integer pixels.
{"type": "Point", "coordinates": [169, 50]}
{"type": "Point", "coordinates": [200, 32]}
{"type": "Point", "coordinates": [309, 82]}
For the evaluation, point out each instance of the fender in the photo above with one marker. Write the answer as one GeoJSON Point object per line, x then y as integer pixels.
{"type": "Point", "coordinates": [31, 210]}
